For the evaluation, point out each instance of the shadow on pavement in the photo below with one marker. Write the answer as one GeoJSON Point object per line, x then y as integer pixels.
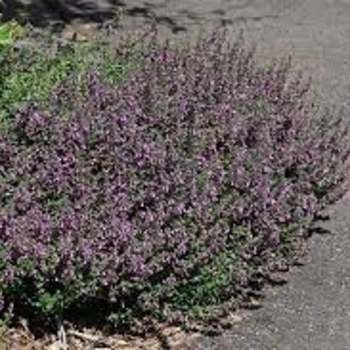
{"type": "Point", "coordinates": [40, 13]}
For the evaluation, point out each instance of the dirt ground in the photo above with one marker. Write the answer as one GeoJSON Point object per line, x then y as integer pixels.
{"type": "Point", "coordinates": [312, 312]}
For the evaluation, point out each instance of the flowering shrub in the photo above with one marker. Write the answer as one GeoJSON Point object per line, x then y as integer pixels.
{"type": "Point", "coordinates": [162, 190]}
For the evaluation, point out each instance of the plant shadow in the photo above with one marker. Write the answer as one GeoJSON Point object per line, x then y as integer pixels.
{"type": "Point", "coordinates": [44, 13]}
{"type": "Point", "coordinates": [41, 13]}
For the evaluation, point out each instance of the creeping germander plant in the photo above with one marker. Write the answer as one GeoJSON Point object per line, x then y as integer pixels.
{"type": "Point", "coordinates": [163, 194]}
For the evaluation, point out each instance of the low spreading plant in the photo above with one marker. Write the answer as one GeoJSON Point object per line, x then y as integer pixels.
{"type": "Point", "coordinates": [36, 63]}
{"type": "Point", "coordinates": [162, 194]}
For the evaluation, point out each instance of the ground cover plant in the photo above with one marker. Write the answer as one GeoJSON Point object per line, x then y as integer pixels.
{"type": "Point", "coordinates": [34, 64]}
{"type": "Point", "coordinates": [171, 194]}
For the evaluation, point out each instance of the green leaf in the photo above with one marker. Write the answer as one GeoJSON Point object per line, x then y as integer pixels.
{"type": "Point", "coordinates": [9, 32]}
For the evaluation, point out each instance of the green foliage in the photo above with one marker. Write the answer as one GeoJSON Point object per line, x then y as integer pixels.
{"type": "Point", "coordinates": [214, 283]}
{"type": "Point", "coordinates": [9, 32]}
{"type": "Point", "coordinates": [31, 73]}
